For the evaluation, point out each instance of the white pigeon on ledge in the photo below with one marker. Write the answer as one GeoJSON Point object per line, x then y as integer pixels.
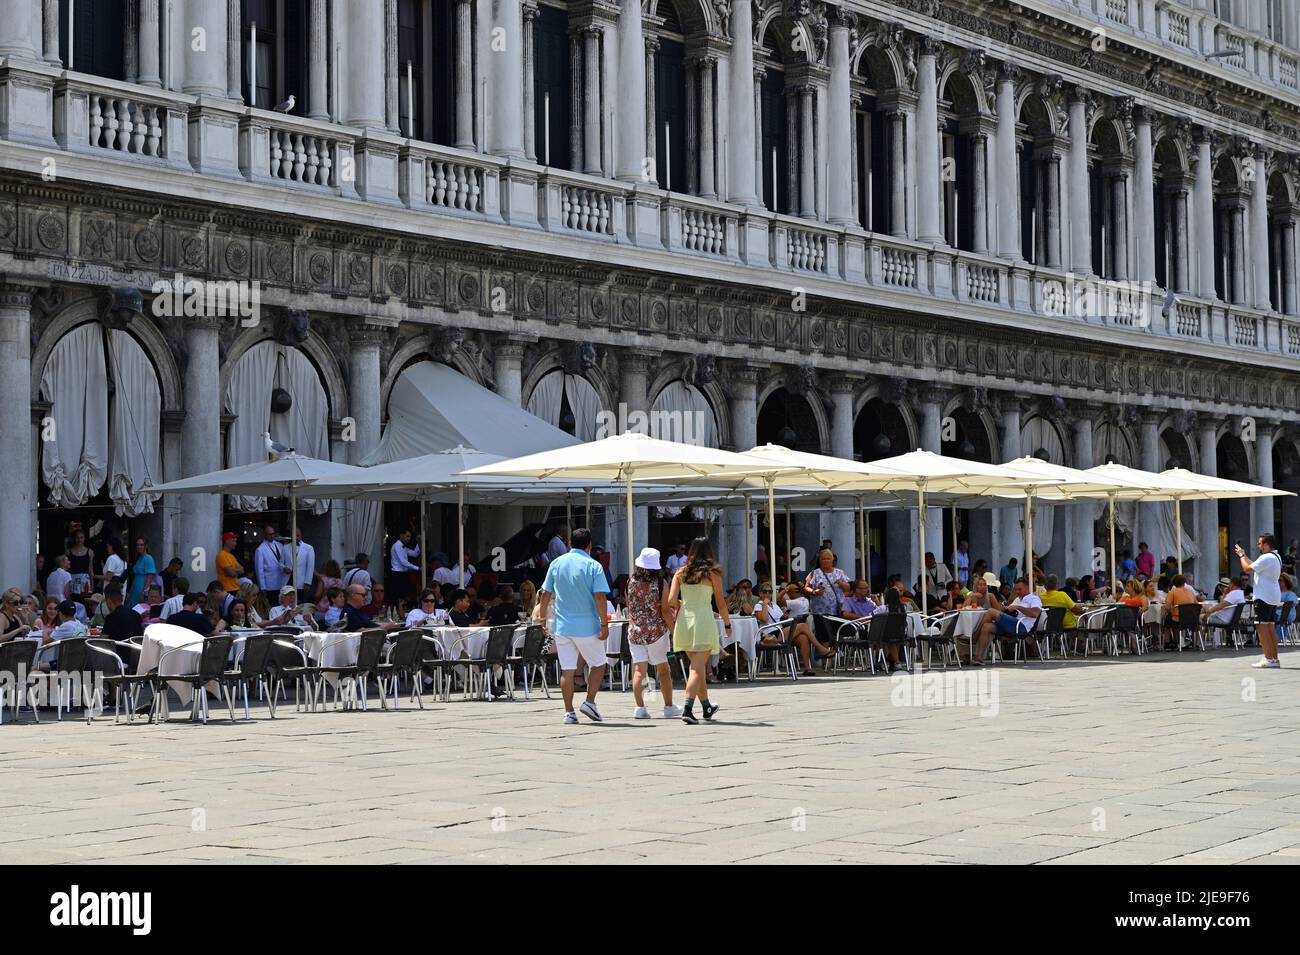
{"type": "Point", "coordinates": [287, 105]}
{"type": "Point", "coordinates": [274, 448]}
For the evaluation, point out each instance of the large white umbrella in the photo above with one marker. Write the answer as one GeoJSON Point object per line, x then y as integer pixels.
{"type": "Point", "coordinates": [285, 476]}
{"type": "Point", "coordinates": [631, 457]}
{"type": "Point", "coordinates": [436, 478]}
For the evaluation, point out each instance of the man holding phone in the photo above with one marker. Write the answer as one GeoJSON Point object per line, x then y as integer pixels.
{"type": "Point", "coordinates": [1267, 571]}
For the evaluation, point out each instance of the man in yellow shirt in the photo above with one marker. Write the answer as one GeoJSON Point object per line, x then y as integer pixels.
{"type": "Point", "coordinates": [1054, 597]}
{"type": "Point", "coordinates": [228, 567]}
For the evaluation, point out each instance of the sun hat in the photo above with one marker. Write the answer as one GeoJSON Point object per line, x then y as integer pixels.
{"type": "Point", "coordinates": [287, 589]}
{"type": "Point", "coordinates": [992, 579]}
{"type": "Point", "coordinates": [648, 559]}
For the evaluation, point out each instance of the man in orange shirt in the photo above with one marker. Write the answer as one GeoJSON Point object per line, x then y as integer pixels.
{"type": "Point", "coordinates": [229, 569]}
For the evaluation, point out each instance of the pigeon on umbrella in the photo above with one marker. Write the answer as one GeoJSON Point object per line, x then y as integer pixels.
{"type": "Point", "coordinates": [273, 447]}
{"type": "Point", "coordinates": [287, 105]}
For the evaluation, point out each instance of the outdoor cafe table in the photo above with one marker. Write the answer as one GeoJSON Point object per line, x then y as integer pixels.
{"type": "Point", "coordinates": [161, 638]}
{"type": "Point", "coordinates": [968, 622]}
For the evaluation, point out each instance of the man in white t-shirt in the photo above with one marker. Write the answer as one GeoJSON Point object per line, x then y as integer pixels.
{"type": "Point", "coordinates": [1019, 616]}
{"type": "Point", "coordinates": [1229, 600]}
{"type": "Point", "coordinates": [59, 583]}
{"type": "Point", "coordinates": [1267, 571]}
{"type": "Point", "coordinates": [677, 559]}
{"type": "Point", "coordinates": [175, 603]}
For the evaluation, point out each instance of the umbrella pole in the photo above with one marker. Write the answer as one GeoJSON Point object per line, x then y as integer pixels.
{"type": "Point", "coordinates": [424, 551]}
{"type": "Point", "coordinates": [1113, 592]}
{"type": "Point", "coordinates": [1029, 539]}
{"type": "Point", "coordinates": [862, 546]}
{"type": "Point", "coordinates": [293, 536]}
{"type": "Point", "coordinates": [789, 545]}
{"type": "Point", "coordinates": [956, 574]}
{"type": "Point", "coordinates": [771, 536]}
{"type": "Point", "coordinates": [1178, 530]}
{"type": "Point", "coordinates": [920, 540]}
{"type": "Point", "coordinates": [568, 512]}
{"type": "Point", "coordinates": [588, 508]}
{"type": "Point", "coordinates": [631, 560]}
{"type": "Point", "coordinates": [748, 562]}
{"type": "Point", "coordinates": [460, 532]}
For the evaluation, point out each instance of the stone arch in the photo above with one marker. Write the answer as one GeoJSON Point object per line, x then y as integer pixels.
{"type": "Point", "coordinates": [1037, 113]}
{"type": "Point", "coordinates": [144, 330]}
{"type": "Point", "coordinates": [553, 359]}
{"type": "Point", "coordinates": [314, 347]}
{"type": "Point", "coordinates": [961, 91]}
{"type": "Point", "coordinates": [694, 16]}
{"type": "Point", "coordinates": [881, 61]}
{"type": "Point", "coordinates": [816, 413]}
{"type": "Point", "coordinates": [975, 426]}
{"type": "Point", "coordinates": [1108, 137]}
{"type": "Point", "coordinates": [1038, 432]}
{"type": "Point", "coordinates": [712, 391]}
{"type": "Point", "coordinates": [904, 430]}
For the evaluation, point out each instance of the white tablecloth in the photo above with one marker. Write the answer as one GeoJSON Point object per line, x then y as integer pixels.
{"type": "Point", "coordinates": [968, 622]}
{"type": "Point", "coordinates": [469, 642]}
{"type": "Point", "coordinates": [744, 631]}
{"type": "Point", "coordinates": [161, 638]}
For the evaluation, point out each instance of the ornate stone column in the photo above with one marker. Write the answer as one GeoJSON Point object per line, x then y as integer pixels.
{"type": "Point", "coordinates": [1083, 514]}
{"type": "Point", "coordinates": [630, 117]}
{"type": "Point", "coordinates": [929, 188]}
{"type": "Point", "coordinates": [980, 236]}
{"type": "Point", "coordinates": [576, 100]}
{"type": "Point", "coordinates": [1081, 210]}
{"type": "Point", "coordinates": [931, 400]}
{"type": "Point", "coordinates": [1007, 211]}
{"type": "Point", "coordinates": [507, 85]}
{"type": "Point", "coordinates": [318, 60]}
{"type": "Point", "coordinates": [1203, 200]}
{"type": "Point", "coordinates": [742, 394]}
{"type": "Point", "coordinates": [1207, 512]}
{"type": "Point", "coordinates": [843, 523]}
{"type": "Point", "coordinates": [897, 118]}
{"type": "Point", "coordinates": [530, 12]}
{"type": "Point", "coordinates": [708, 129]}
{"type": "Point", "coordinates": [1052, 202]}
{"type": "Point", "coordinates": [807, 153]}
{"type": "Point", "coordinates": [742, 131]}
{"type": "Point", "coordinates": [17, 464]}
{"type": "Point", "coordinates": [1176, 202]}
{"type": "Point", "coordinates": [235, 53]}
{"type": "Point", "coordinates": [199, 523]}
{"type": "Point", "coordinates": [50, 31]}
{"type": "Point", "coordinates": [364, 341]}
{"type": "Point", "coordinates": [1119, 235]}
{"type": "Point", "coordinates": [204, 71]}
{"type": "Point", "coordinates": [591, 42]}
{"type": "Point", "coordinates": [1259, 229]}
{"type": "Point", "coordinates": [365, 62]}
{"type": "Point", "coordinates": [392, 113]}
{"type": "Point", "coordinates": [1264, 506]}
{"type": "Point", "coordinates": [840, 207]}
{"type": "Point", "coordinates": [634, 370]}
{"type": "Point", "coordinates": [1148, 515]}
{"type": "Point", "coordinates": [148, 51]}
{"type": "Point", "coordinates": [1144, 197]}
{"type": "Point", "coordinates": [1011, 535]}
{"type": "Point", "coordinates": [651, 132]}
{"type": "Point", "coordinates": [1289, 290]}
{"type": "Point", "coordinates": [1236, 249]}
{"type": "Point", "coordinates": [18, 28]}
{"type": "Point", "coordinates": [507, 369]}
{"type": "Point", "coordinates": [760, 76]}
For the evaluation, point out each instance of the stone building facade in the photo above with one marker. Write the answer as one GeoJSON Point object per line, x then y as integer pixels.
{"type": "Point", "coordinates": [987, 228]}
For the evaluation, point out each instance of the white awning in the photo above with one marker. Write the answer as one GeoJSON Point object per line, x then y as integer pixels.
{"type": "Point", "coordinates": [433, 408]}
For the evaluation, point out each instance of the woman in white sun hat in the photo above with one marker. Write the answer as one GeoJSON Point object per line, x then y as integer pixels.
{"type": "Point", "coordinates": [647, 633]}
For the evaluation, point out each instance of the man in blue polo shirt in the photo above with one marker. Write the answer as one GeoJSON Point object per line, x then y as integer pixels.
{"type": "Point", "coordinates": [576, 584]}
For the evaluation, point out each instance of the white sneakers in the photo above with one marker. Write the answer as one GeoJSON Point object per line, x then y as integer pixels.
{"type": "Point", "coordinates": [670, 713]}
{"type": "Point", "coordinates": [570, 718]}
{"type": "Point", "coordinates": [588, 709]}
{"type": "Point", "coordinates": [1264, 663]}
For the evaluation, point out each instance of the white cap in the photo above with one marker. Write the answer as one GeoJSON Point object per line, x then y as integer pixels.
{"type": "Point", "coordinates": [648, 559]}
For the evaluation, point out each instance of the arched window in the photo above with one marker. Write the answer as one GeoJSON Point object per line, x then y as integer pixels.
{"type": "Point", "coordinates": [1230, 203]}
{"type": "Point", "coordinates": [275, 53]}
{"type": "Point", "coordinates": [96, 45]}
{"type": "Point", "coordinates": [669, 126]}
{"type": "Point", "coordinates": [965, 149]}
{"type": "Point", "coordinates": [1108, 185]}
{"type": "Point", "coordinates": [881, 145]}
{"type": "Point", "coordinates": [570, 402]}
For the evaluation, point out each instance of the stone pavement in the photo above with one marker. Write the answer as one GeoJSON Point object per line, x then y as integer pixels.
{"type": "Point", "coordinates": [1168, 758]}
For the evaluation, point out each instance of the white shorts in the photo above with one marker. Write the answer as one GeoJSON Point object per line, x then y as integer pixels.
{"type": "Point", "coordinates": [592, 650]}
{"type": "Point", "coordinates": [652, 653]}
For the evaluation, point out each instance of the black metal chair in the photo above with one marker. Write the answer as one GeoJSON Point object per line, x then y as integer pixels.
{"type": "Point", "coordinates": [532, 658]}
{"type": "Point", "coordinates": [1186, 625]}
{"type": "Point", "coordinates": [1285, 621]}
{"type": "Point", "coordinates": [622, 662]}
{"type": "Point", "coordinates": [851, 642]}
{"type": "Point", "coordinates": [1232, 629]}
{"type": "Point", "coordinates": [945, 639]}
{"type": "Point", "coordinates": [369, 651]}
{"type": "Point", "coordinates": [289, 662]}
{"type": "Point", "coordinates": [403, 660]}
{"type": "Point", "coordinates": [495, 655]}
{"type": "Point", "coordinates": [255, 666]}
{"type": "Point", "coordinates": [17, 659]}
{"type": "Point", "coordinates": [891, 631]}
{"type": "Point", "coordinates": [212, 668]}
{"type": "Point", "coordinates": [68, 672]}
{"type": "Point", "coordinates": [1052, 627]}
{"type": "Point", "coordinates": [779, 650]}
{"type": "Point", "coordinates": [127, 684]}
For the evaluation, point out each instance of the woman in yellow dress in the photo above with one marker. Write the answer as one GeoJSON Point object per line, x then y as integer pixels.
{"type": "Point", "coordinates": [695, 591]}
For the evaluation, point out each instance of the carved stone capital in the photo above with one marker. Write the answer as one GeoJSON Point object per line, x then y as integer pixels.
{"type": "Point", "coordinates": [364, 336]}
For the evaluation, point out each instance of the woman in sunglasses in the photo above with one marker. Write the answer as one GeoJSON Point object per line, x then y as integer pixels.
{"type": "Point", "coordinates": [12, 623]}
{"type": "Point", "coordinates": [425, 613]}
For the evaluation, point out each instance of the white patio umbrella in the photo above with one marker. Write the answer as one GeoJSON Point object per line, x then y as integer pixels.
{"type": "Point", "coordinates": [285, 476]}
{"type": "Point", "coordinates": [631, 457]}
{"type": "Point", "coordinates": [436, 478]}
